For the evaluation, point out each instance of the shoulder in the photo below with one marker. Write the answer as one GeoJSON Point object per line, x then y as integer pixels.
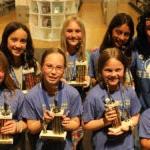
{"type": "Point", "coordinates": [34, 91]}
{"type": "Point", "coordinates": [146, 114]}
{"type": "Point", "coordinates": [96, 92]}
{"type": "Point", "coordinates": [70, 90]}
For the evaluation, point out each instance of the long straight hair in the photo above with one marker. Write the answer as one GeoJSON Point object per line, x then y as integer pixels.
{"type": "Point", "coordinates": [81, 46]}
{"type": "Point", "coordinates": [118, 20]}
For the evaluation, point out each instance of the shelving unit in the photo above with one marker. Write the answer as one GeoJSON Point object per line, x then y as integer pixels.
{"type": "Point", "coordinates": [47, 16]}
{"type": "Point", "coordinates": [140, 5]}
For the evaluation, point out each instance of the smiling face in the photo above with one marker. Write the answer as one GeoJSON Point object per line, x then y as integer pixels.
{"type": "Point", "coordinates": [53, 68]}
{"type": "Point", "coordinates": [17, 42]}
{"type": "Point", "coordinates": [73, 34]}
{"type": "Point", "coordinates": [113, 73]}
{"type": "Point", "coordinates": [121, 35]}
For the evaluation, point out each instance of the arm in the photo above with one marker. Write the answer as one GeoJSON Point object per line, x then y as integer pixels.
{"type": "Point", "coordinates": [145, 143]}
{"type": "Point", "coordinates": [13, 127]}
{"type": "Point", "coordinates": [70, 123]}
{"type": "Point", "coordinates": [34, 126]}
{"type": "Point", "coordinates": [97, 124]}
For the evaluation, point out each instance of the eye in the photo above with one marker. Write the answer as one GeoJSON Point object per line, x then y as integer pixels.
{"type": "Point", "coordinates": [23, 41]}
{"type": "Point", "coordinates": [69, 30]}
{"type": "Point", "coordinates": [78, 30]}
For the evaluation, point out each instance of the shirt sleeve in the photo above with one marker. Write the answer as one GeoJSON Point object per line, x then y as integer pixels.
{"type": "Point", "coordinates": [135, 102]}
{"type": "Point", "coordinates": [75, 107]}
{"type": "Point", "coordinates": [29, 110]}
{"type": "Point", "coordinates": [144, 127]}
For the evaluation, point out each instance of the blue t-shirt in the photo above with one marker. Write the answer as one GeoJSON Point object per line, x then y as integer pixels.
{"type": "Point", "coordinates": [35, 99]}
{"type": "Point", "coordinates": [15, 101]}
{"type": "Point", "coordinates": [141, 74]}
{"type": "Point", "coordinates": [94, 108]}
{"type": "Point", "coordinates": [93, 63]}
{"type": "Point", "coordinates": [144, 128]}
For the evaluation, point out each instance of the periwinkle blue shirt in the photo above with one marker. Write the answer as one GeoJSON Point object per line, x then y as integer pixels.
{"type": "Point", "coordinates": [141, 74]}
{"type": "Point", "coordinates": [144, 127]}
{"type": "Point", "coordinates": [34, 100]}
{"type": "Point", "coordinates": [15, 101]}
{"type": "Point", "coordinates": [93, 63]}
{"type": "Point", "coordinates": [94, 108]}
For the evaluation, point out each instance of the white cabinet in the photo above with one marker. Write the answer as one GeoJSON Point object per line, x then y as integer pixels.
{"type": "Point", "coordinates": [47, 16]}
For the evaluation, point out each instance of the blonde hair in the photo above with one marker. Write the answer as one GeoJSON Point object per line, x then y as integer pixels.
{"type": "Point", "coordinates": [81, 48]}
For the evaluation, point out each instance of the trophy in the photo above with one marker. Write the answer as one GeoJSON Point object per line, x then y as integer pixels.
{"type": "Point", "coordinates": [75, 73]}
{"type": "Point", "coordinates": [112, 104]}
{"type": "Point", "coordinates": [57, 132]}
{"type": "Point", "coordinates": [5, 114]}
{"type": "Point", "coordinates": [80, 71]}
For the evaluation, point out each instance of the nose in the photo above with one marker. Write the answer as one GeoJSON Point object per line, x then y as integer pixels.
{"type": "Point", "coordinates": [122, 36]}
{"type": "Point", "coordinates": [73, 34]}
{"type": "Point", "coordinates": [114, 74]}
{"type": "Point", "coordinates": [53, 70]}
{"type": "Point", "coordinates": [18, 44]}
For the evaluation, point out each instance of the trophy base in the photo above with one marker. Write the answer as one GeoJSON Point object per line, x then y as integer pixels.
{"type": "Point", "coordinates": [6, 141]}
{"type": "Point", "coordinates": [75, 83]}
{"type": "Point", "coordinates": [51, 135]}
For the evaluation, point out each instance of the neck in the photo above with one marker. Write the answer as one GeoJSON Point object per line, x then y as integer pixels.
{"type": "Point", "coordinates": [51, 89]}
{"type": "Point", "coordinates": [17, 61]}
{"type": "Point", "coordinates": [72, 50]}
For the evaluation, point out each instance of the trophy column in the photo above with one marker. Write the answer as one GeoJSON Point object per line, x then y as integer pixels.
{"type": "Point", "coordinates": [5, 115]}
{"type": "Point", "coordinates": [57, 132]}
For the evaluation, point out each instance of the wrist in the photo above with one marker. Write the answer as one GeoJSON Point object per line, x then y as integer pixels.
{"type": "Point", "coordinates": [106, 123]}
{"type": "Point", "coordinates": [19, 127]}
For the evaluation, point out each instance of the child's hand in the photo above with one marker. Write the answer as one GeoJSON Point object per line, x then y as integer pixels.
{"type": "Point", "coordinates": [110, 115]}
{"type": "Point", "coordinates": [65, 121]}
{"type": "Point", "coordinates": [87, 81]}
{"type": "Point", "coordinates": [10, 127]}
{"type": "Point", "coordinates": [48, 116]}
{"type": "Point", "coordinates": [125, 127]}
{"type": "Point", "coordinates": [115, 131]}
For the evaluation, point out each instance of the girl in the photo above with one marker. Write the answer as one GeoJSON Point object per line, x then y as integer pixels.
{"type": "Point", "coordinates": [17, 45]}
{"type": "Point", "coordinates": [11, 99]}
{"type": "Point", "coordinates": [119, 34]}
{"type": "Point", "coordinates": [141, 60]}
{"type": "Point", "coordinates": [51, 89]}
{"type": "Point", "coordinates": [73, 40]}
{"type": "Point", "coordinates": [98, 117]}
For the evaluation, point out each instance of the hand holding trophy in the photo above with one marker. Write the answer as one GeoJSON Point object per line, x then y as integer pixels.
{"type": "Point", "coordinates": [55, 116]}
{"type": "Point", "coordinates": [5, 115]}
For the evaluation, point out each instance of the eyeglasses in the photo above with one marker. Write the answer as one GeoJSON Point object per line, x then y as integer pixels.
{"type": "Point", "coordinates": [58, 69]}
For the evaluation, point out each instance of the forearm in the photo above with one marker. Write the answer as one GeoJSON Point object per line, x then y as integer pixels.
{"type": "Point", "coordinates": [73, 124]}
{"type": "Point", "coordinates": [94, 125]}
{"type": "Point", "coordinates": [145, 144]}
{"type": "Point", "coordinates": [34, 126]}
{"type": "Point", "coordinates": [134, 120]}
{"type": "Point", "coordinates": [21, 126]}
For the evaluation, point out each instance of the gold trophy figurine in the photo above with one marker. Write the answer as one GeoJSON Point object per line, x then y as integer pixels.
{"type": "Point", "coordinates": [57, 132]}
{"type": "Point", "coordinates": [112, 104]}
{"type": "Point", "coordinates": [5, 114]}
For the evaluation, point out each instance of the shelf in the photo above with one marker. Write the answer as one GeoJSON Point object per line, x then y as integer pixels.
{"type": "Point", "coordinates": [46, 17]}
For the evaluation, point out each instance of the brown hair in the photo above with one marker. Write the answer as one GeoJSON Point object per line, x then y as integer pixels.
{"type": "Point", "coordinates": [81, 47]}
{"type": "Point", "coordinates": [50, 51]}
{"type": "Point", "coordinates": [8, 83]}
{"type": "Point", "coordinates": [109, 53]}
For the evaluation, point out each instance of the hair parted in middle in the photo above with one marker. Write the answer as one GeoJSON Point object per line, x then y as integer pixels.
{"type": "Point", "coordinates": [81, 46]}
